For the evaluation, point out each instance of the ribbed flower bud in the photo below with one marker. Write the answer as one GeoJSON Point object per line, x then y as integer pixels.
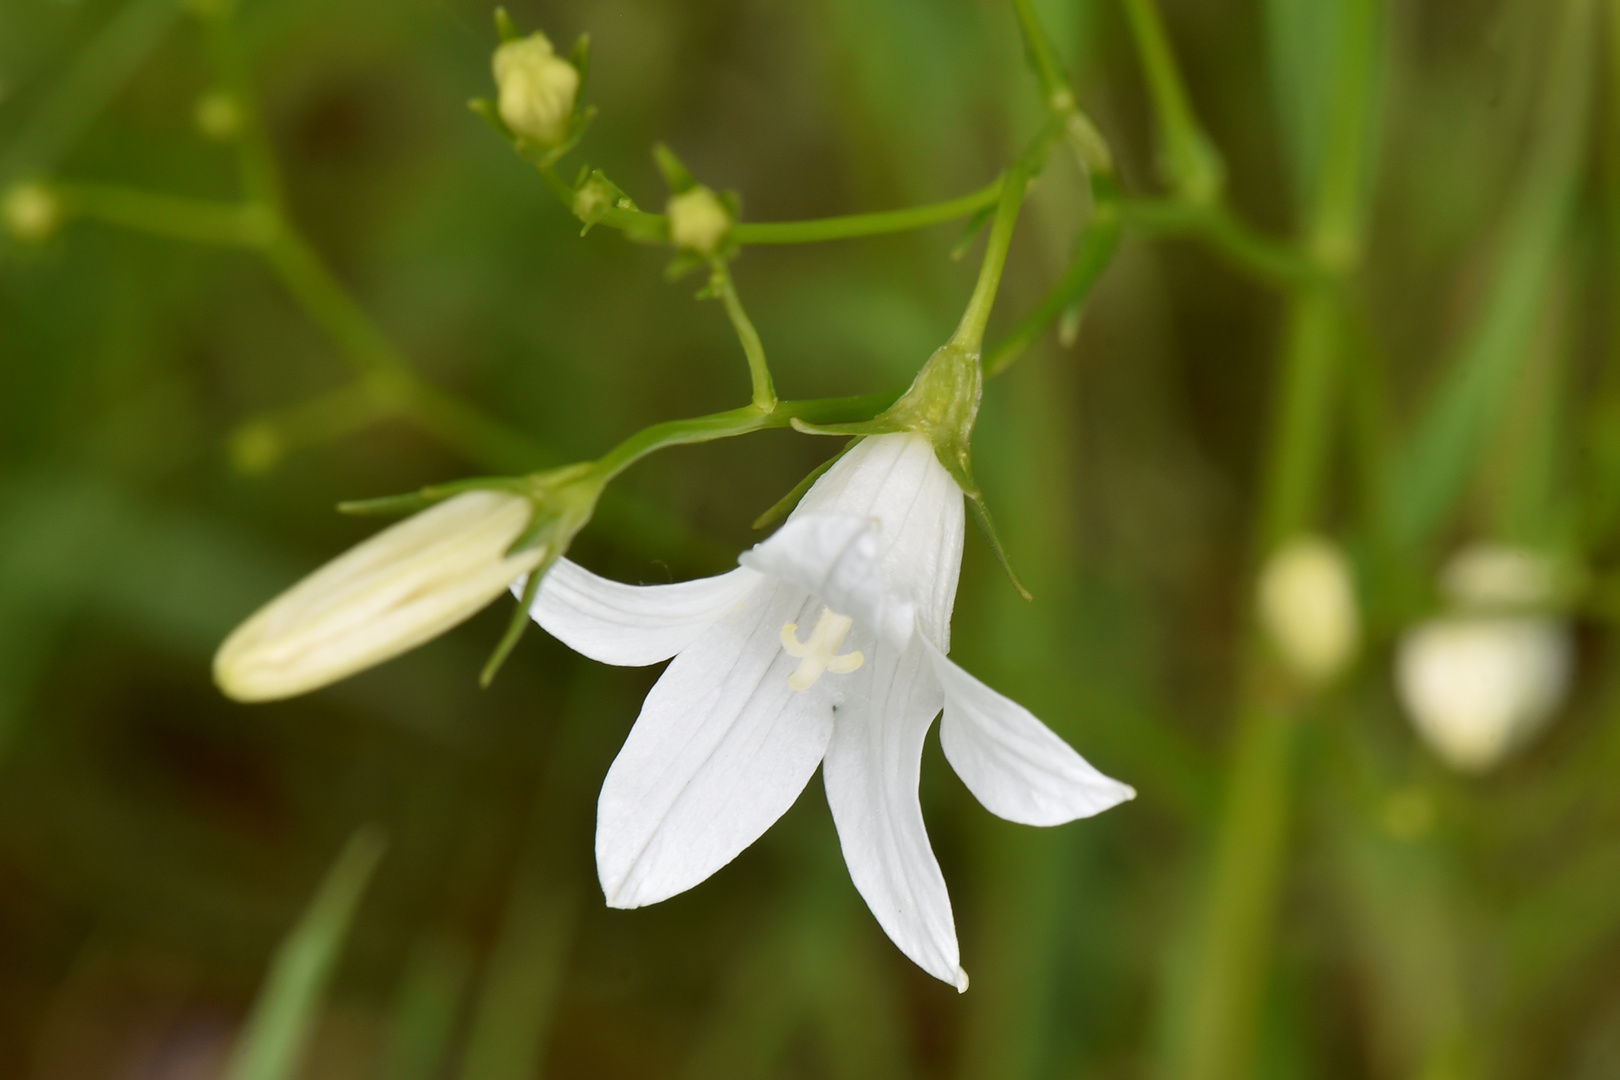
{"type": "Point", "coordinates": [1307, 606]}
{"type": "Point", "coordinates": [1481, 681]}
{"type": "Point", "coordinates": [404, 586]}
{"type": "Point", "coordinates": [698, 220]}
{"type": "Point", "coordinates": [537, 89]}
{"type": "Point", "coordinates": [31, 212]}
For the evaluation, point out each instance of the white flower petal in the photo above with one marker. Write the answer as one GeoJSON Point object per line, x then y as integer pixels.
{"type": "Point", "coordinates": [897, 480]}
{"type": "Point", "coordinates": [835, 557]}
{"type": "Point", "coordinates": [1014, 764]}
{"type": "Point", "coordinates": [632, 625]}
{"type": "Point", "coordinates": [871, 774]}
{"type": "Point", "coordinates": [720, 751]}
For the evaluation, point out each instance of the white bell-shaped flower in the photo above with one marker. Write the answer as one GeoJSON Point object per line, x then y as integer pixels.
{"type": "Point", "coordinates": [827, 646]}
{"type": "Point", "coordinates": [537, 89]}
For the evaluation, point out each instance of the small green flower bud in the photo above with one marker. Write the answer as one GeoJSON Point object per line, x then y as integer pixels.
{"type": "Point", "coordinates": [593, 199]}
{"type": "Point", "coordinates": [31, 211]}
{"type": "Point", "coordinates": [402, 587]}
{"type": "Point", "coordinates": [1307, 603]}
{"type": "Point", "coordinates": [218, 115]}
{"type": "Point", "coordinates": [698, 220]}
{"type": "Point", "coordinates": [537, 89]}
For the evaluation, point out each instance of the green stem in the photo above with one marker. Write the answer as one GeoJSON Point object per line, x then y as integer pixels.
{"type": "Point", "coordinates": [1193, 167]}
{"type": "Point", "coordinates": [851, 226]}
{"type": "Point", "coordinates": [256, 156]}
{"type": "Point", "coordinates": [759, 372]}
{"type": "Point", "coordinates": [1274, 261]}
{"type": "Point", "coordinates": [725, 425]}
{"type": "Point", "coordinates": [970, 332]}
{"type": "Point", "coordinates": [192, 220]}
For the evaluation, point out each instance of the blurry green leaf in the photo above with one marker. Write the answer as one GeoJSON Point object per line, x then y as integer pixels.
{"type": "Point", "coordinates": [424, 1020]}
{"type": "Point", "coordinates": [272, 1042]}
{"type": "Point", "coordinates": [1480, 380]}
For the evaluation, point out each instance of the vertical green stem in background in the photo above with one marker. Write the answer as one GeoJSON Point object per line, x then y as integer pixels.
{"type": "Point", "coordinates": [256, 157]}
{"type": "Point", "coordinates": [1191, 163]}
{"type": "Point", "coordinates": [100, 69]}
{"type": "Point", "coordinates": [1221, 1009]}
{"type": "Point", "coordinates": [272, 1043]}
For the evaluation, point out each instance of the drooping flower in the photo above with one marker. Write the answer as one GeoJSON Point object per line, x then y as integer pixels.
{"type": "Point", "coordinates": [827, 646]}
{"type": "Point", "coordinates": [1482, 680]}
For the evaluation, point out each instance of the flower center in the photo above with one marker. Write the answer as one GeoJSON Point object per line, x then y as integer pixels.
{"type": "Point", "coordinates": [820, 653]}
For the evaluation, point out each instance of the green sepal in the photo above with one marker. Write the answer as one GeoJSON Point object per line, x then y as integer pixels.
{"type": "Point", "coordinates": [784, 506]}
{"type": "Point", "coordinates": [878, 425]}
{"type": "Point", "coordinates": [675, 174]}
{"type": "Point", "coordinates": [386, 505]}
{"type": "Point", "coordinates": [684, 263]}
{"type": "Point", "coordinates": [580, 57]}
{"type": "Point", "coordinates": [491, 115]}
{"type": "Point", "coordinates": [514, 628]}
{"type": "Point", "coordinates": [504, 27]}
{"type": "Point", "coordinates": [981, 514]}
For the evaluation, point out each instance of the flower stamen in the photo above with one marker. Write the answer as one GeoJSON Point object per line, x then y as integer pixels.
{"type": "Point", "coordinates": [820, 653]}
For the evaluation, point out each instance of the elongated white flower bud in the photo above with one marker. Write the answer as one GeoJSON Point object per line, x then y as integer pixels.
{"type": "Point", "coordinates": [537, 89]}
{"type": "Point", "coordinates": [1479, 686]}
{"type": "Point", "coordinates": [409, 583]}
{"type": "Point", "coordinates": [1307, 605]}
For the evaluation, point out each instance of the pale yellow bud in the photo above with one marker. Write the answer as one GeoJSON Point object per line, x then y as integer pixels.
{"type": "Point", "coordinates": [1494, 576]}
{"type": "Point", "coordinates": [1307, 603]}
{"type": "Point", "coordinates": [31, 212]}
{"type": "Point", "coordinates": [402, 587]}
{"type": "Point", "coordinates": [218, 115]}
{"type": "Point", "coordinates": [698, 220]}
{"type": "Point", "coordinates": [1478, 687]}
{"type": "Point", "coordinates": [537, 89]}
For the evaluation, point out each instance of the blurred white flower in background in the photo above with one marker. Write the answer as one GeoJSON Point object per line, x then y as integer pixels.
{"type": "Point", "coordinates": [1307, 604]}
{"type": "Point", "coordinates": [1482, 680]}
{"type": "Point", "coordinates": [537, 89]}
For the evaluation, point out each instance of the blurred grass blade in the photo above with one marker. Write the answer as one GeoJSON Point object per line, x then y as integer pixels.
{"type": "Point", "coordinates": [515, 1004]}
{"type": "Point", "coordinates": [424, 1020]}
{"type": "Point", "coordinates": [100, 69]}
{"type": "Point", "coordinates": [271, 1045]}
{"type": "Point", "coordinates": [1476, 389]}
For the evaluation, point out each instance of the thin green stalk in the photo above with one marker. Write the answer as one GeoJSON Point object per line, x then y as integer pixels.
{"type": "Point", "coordinates": [759, 372]}
{"type": "Point", "coordinates": [851, 226]}
{"type": "Point", "coordinates": [192, 220]}
{"type": "Point", "coordinates": [256, 157]}
{"type": "Point", "coordinates": [725, 425]}
{"type": "Point", "coordinates": [1191, 164]}
{"type": "Point", "coordinates": [970, 332]}
{"type": "Point", "coordinates": [100, 69]}
{"type": "Point", "coordinates": [1274, 261]}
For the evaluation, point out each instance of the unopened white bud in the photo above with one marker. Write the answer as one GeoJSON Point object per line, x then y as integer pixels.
{"type": "Point", "coordinates": [1307, 602]}
{"type": "Point", "coordinates": [406, 585]}
{"type": "Point", "coordinates": [31, 212]}
{"type": "Point", "coordinates": [698, 220]}
{"type": "Point", "coordinates": [1478, 687]}
{"type": "Point", "coordinates": [1494, 577]}
{"type": "Point", "coordinates": [537, 89]}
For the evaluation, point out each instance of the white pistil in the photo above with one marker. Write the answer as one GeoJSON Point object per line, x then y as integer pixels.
{"type": "Point", "coordinates": [820, 653]}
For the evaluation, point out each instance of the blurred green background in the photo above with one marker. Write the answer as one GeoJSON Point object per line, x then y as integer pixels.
{"type": "Point", "coordinates": [158, 842]}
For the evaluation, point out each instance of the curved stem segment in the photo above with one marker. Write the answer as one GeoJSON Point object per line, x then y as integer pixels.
{"type": "Point", "coordinates": [759, 372]}
{"type": "Point", "coordinates": [851, 226]}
